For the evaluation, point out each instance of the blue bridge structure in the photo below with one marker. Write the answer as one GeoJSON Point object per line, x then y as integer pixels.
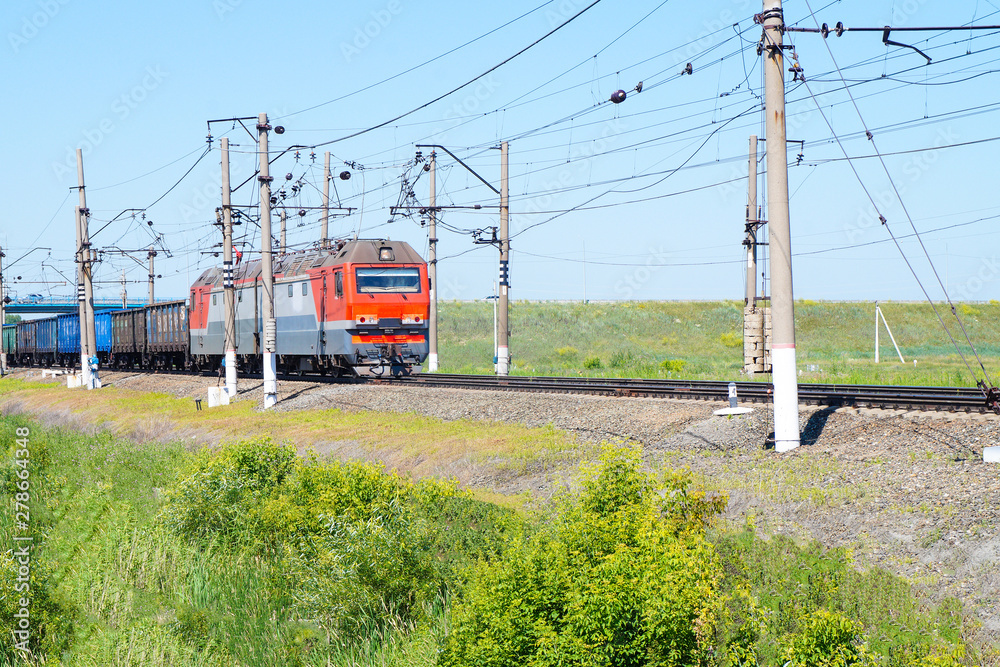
{"type": "Point", "coordinates": [55, 305]}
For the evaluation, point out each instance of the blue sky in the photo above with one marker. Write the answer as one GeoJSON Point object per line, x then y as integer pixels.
{"type": "Point", "coordinates": [657, 182]}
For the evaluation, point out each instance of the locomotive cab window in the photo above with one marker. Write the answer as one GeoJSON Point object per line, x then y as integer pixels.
{"type": "Point", "coordinates": [305, 289]}
{"type": "Point", "coordinates": [291, 290]}
{"type": "Point", "coordinates": [214, 296]}
{"type": "Point", "coordinates": [338, 284]}
{"type": "Point", "coordinates": [396, 279]}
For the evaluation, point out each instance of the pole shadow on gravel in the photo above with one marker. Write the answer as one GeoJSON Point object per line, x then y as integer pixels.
{"type": "Point", "coordinates": [815, 425]}
{"type": "Point", "coordinates": [810, 432]}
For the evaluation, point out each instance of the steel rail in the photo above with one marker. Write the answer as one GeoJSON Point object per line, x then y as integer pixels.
{"type": "Point", "coordinates": [940, 399]}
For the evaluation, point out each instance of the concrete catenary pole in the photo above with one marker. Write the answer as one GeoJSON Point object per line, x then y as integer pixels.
{"type": "Point", "coordinates": [81, 296]}
{"type": "Point", "coordinates": [752, 223]}
{"type": "Point", "coordinates": [270, 326]}
{"type": "Point", "coordinates": [432, 325]}
{"type": "Point", "coordinates": [324, 223]}
{"type": "Point", "coordinates": [3, 319]}
{"type": "Point", "coordinates": [282, 246]}
{"type": "Point", "coordinates": [88, 277]}
{"type": "Point", "coordinates": [503, 326]}
{"type": "Point", "coordinates": [152, 274]}
{"type": "Point", "coordinates": [228, 300]}
{"type": "Point", "coordinates": [124, 293]}
{"type": "Point", "coordinates": [786, 390]}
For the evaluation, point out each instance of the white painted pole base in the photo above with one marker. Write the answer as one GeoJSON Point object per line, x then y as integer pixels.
{"type": "Point", "coordinates": [270, 380]}
{"type": "Point", "coordinates": [503, 360]}
{"type": "Point", "coordinates": [231, 373]}
{"type": "Point", "coordinates": [786, 399]}
{"type": "Point", "coordinates": [432, 363]}
{"type": "Point", "coordinates": [85, 372]}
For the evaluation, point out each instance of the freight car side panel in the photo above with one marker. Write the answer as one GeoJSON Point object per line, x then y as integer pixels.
{"type": "Point", "coordinates": [10, 339]}
{"type": "Point", "coordinates": [26, 337]}
{"type": "Point", "coordinates": [166, 327]}
{"type": "Point", "coordinates": [122, 340]}
{"type": "Point", "coordinates": [46, 336]}
{"type": "Point", "coordinates": [69, 333]}
{"type": "Point", "coordinates": [102, 325]}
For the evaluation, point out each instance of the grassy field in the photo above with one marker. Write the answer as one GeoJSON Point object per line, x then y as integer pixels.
{"type": "Point", "coordinates": [149, 554]}
{"type": "Point", "coordinates": [703, 340]}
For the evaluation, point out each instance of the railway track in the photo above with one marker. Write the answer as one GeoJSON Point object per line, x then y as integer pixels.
{"type": "Point", "coordinates": [941, 399]}
{"type": "Point", "coordinates": [948, 399]}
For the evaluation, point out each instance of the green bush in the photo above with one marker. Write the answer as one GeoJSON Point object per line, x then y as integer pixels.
{"type": "Point", "coordinates": [592, 363]}
{"type": "Point", "coordinates": [827, 639]}
{"type": "Point", "coordinates": [356, 546]}
{"type": "Point", "coordinates": [621, 359]}
{"type": "Point", "coordinates": [673, 365]}
{"type": "Point", "coordinates": [730, 339]}
{"type": "Point", "coordinates": [615, 577]}
{"type": "Point", "coordinates": [50, 620]}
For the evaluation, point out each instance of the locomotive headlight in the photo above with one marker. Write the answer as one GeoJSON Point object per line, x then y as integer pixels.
{"type": "Point", "coordinates": [366, 319]}
{"type": "Point", "coordinates": [412, 319]}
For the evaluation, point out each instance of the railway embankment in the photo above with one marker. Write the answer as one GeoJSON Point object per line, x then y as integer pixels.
{"type": "Point", "coordinates": [904, 491]}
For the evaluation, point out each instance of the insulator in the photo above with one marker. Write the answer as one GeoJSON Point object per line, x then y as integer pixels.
{"type": "Point", "coordinates": [618, 96]}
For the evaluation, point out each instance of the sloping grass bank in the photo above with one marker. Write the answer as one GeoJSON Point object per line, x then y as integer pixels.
{"type": "Point", "coordinates": [147, 554]}
{"type": "Point", "coordinates": [703, 340]}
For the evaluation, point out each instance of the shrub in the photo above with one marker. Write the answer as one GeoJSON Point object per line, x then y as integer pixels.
{"type": "Point", "coordinates": [230, 493]}
{"type": "Point", "coordinates": [673, 365]}
{"type": "Point", "coordinates": [357, 547]}
{"type": "Point", "coordinates": [827, 639]}
{"type": "Point", "coordinates": [967, 310]}
{"type": "Point", "coordinates": [731, 340]}
{"type": "Point", "coordinates": [621, 358]}
{"type": "Point", "coordinates": [614, 578]}
{"type": "Point", "coordinates": [592, 363]}
{"type": "Point", "coordinates": [51, 620]}
{"type": "Point", "coordinates": [567, 351]}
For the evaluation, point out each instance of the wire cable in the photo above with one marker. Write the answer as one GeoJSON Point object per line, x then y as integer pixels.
{"type": "Point", "coordinates": [908, 217]}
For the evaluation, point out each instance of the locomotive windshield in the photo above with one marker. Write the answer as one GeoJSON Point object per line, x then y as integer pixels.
{"type": "Point", "coordinates": [395, 279]}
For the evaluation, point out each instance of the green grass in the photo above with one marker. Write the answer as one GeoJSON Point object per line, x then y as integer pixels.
{"type": "Point", "coordinates": [702, 340]}
{"type": "Point", "coordinates": [114, 583]}
{"type": "Point", "coordinates": [119, 580]}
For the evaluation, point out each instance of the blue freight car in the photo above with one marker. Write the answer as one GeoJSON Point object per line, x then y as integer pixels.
{"type": "Point", "coordinates": [69, 339]}
{"type": "Point", "coordinates": [36, 342]}
{"type": "Point", "coordinates": [102, 322]}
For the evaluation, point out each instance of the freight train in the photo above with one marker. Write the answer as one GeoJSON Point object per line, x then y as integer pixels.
{"type": "Point", "coordinates": [359, 307]}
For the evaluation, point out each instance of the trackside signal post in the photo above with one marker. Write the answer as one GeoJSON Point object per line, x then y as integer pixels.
{"type": "Point", "coordinates": [270, 326]}
{"type": "Point", "coordinates": [88, 330]}
{"type": "Point", "coordinates": [324, 221]}
{"type": "Point", "coordinates": [503, 326]}
{"type": "Point", "coordinates": [786, 390]}
{"type": "Point", "coordinates": [227, 273]}
{"type": "Point", "coordinates": [503, 243]}
{"type": "Point", "coordinates": [432, 326]}
{"type": "Point", "coordinates": [756, 312]}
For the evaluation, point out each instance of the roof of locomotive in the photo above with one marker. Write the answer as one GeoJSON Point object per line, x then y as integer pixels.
{"type": "Point", "coordinates": [357, 251]}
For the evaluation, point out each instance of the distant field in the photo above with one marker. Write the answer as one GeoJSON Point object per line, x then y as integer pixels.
{"type": "Point", "coordinates": [703, 340]}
